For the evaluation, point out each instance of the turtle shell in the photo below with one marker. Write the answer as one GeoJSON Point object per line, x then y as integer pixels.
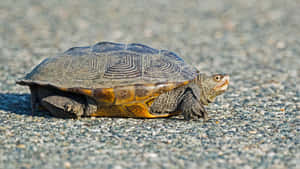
{"type": "Point", "coordinates": [113, 73]}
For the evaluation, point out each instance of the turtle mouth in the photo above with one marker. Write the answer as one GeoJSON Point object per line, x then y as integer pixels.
{"type": "Point", "coordinates": [223, 84]}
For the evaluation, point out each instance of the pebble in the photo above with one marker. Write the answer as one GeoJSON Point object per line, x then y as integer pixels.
{"type": "Point", "coordinates": [280, 45]}
{"type": "Point", "coordinates": [67, 164]}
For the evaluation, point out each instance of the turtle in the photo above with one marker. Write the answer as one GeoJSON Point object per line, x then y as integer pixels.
{"type": "Point", "coordinates": [121, 80]}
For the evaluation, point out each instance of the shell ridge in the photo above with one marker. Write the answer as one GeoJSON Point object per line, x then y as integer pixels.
{"type": "Point", "coordinates": [103, 47]}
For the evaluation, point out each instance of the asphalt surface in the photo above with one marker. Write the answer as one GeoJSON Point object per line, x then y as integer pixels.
{"type": "Point", "coordinates": [254, 125]}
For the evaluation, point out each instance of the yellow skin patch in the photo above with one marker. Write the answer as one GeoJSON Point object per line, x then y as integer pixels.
{"type": "Point", "coordinates": [135, 109]}
{"type": "Point", "coordinates": [131, 101]}
{"type": "Point", "coordinates": [149, 102]}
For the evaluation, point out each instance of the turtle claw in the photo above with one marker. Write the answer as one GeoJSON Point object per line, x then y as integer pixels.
{"type": "Point", "coordinates": [197, 111]}
{"type": "Point", "coordinates": [204, 115]}
{"type": "Point", "coordinates": [72, 108]}
{"type": "Point", "coordinates": [192, 108]}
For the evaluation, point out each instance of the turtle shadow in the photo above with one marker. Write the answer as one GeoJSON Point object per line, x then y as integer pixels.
{"type": "Point", "coordinates": [18, 104]}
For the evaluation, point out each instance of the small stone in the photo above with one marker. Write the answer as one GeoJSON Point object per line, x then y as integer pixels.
{"type": "Point", "coordinates": [21, 146]}
{"type": "Point", "coordinates": [253, 132]}
{"type": "Point", "coordinates": [280, 45]}
{"type": "Point", "coordinates": [67, 164]}
{"type": "Point", "coordinates": [151, 155]}
{"type": "Point", "coordinates": [117, 167]}
{"type": "Point", "coordinates": [42, 155]}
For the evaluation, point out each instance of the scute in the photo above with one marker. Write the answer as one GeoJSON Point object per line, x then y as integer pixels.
{"type": "Point", "coordinates": [124, 94]}
{"type": "Point", "coordinates": [106, 95]}
{"type": "Point", "coordinates": [142, 92]}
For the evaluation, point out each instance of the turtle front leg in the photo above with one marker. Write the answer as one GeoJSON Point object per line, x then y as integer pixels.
{"type": "Point", "coordinates": [191, 107]}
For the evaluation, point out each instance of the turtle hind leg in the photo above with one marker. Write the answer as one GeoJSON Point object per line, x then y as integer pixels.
{"type": "Point", "coordinates": [64, 106]}
{"type": "Point", "coordinates": [191, 108]}
{"type": "Point", "coordinates": [34, 99]}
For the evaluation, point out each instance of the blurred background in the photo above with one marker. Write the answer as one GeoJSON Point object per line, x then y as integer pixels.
{"type": "Point", "coordinates": [254, 125]}
{"type": "Point", "coordinates": [261, 33]}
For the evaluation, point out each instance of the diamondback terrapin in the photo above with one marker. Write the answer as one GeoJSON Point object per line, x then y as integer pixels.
{"type": "Point", "coordinates": [119, 80]}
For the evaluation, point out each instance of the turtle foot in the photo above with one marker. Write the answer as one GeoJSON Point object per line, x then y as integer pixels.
{"type": "Point", "coordinates": [64, 106]}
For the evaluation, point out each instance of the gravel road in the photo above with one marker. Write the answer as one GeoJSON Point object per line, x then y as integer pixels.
{"type": "Point", "coordinates": [256, 124]}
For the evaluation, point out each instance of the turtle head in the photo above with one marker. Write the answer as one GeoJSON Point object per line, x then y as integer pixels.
{"type": "Point", "coordinates": [212, 86]}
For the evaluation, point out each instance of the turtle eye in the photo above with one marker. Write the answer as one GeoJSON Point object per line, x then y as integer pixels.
{"type": "Point", "coordinates": [217, 78]}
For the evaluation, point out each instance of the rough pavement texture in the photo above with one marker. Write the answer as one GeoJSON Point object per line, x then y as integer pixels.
{"type": "Point", "coordinates": [254, 125]}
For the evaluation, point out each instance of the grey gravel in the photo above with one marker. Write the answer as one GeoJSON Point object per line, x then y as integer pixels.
{"type": "Point", "coordinates": [254, 125]}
